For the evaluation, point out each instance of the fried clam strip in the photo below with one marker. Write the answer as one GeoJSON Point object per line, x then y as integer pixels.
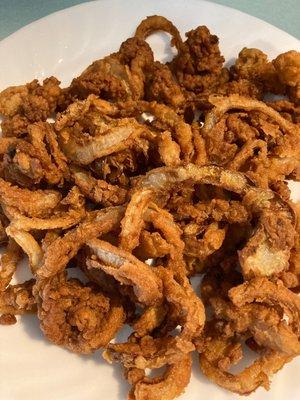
{"type": "Point", "coordinates": [168, 386]}
{"type": "Point", "coordinates": [219, 354]}
{"type": "Point", "coordinates": [147, 352]}
{"type": "Point", "coordinates": [291, 277]}
{"type": "Point", "coordinates": [151, 318]}
{"type": "Point", "coordinates": [156, 23]}
{"type": "Point", "coordinates": [189, 308]}
{"type": "Point", "coordinates": [168, 122]}
{"type": "Point", "coordinates": [53, 162]}
{"type": "Point", "coordinates": [133, 221]}
{"type": "Point", "coordinates": [126, 269]}
{"type": "Point", "coordinates": [263, 291]}
{"type": "Point", "coordinates": [268, 250]}
{"type": "Point", "coordinates": [139, 211]}
{"type": "Point", "coordinates": [92, 106]}
{"type": "Point", "coordinates": [224, 104]}
{"type": "Point", "coordinates": [21, 225]}
{"type": "Point", "coordinates": [152, 245]}
{"type": "Point", "coordinates": [78, 317]}
{"type": "Point", "coordinates": [18, 299]}
{"type": "Point", "coordinates": [284, 160]}
{"type": "Point", "coordinates": [212, 240]}
{"type": "Point", "coordinates": [164, 222]}
{"type": "Point", "coordinates": [62, 219]}
{"type": "Point", "coordinates": [97, 190]}
{"type": "Point", "coordinates": [110, 136]}
{"type": "Point", "coordinates": [29, 245]}
{"type": "Point", "coordinates": [33, 203]}
{"type": "Point", "coordinates": [8, 264]}
{"type": "Point", "coordinates": [64, 248]}
{"type": "Point", "coordinates": [175, 123]}
{"type": "Point", "coordinates": [266, 325]}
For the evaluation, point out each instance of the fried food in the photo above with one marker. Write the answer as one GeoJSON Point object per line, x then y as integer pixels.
{"type": "Point", "coordinates": [142, 175]}
{"type": "Point", "coordinates": [75, 316]}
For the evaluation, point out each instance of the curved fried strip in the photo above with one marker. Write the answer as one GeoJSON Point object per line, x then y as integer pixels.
{"type": "Point", "coordinates": [182, 131]}
{"type": "Point", "coordinates": [250, 378]}
{"type": "Point", "coordinates": [18, 299]}
{"type": "Point", "coordinates": [127, 269]}
{"type": "Point", "coordinates": [63, 249]}
{"type": "Point", "coordinates": [264, 323]}
{"type": "Point", "coordinates": [168, 150]}
{"type": "Point", "coordinates": [66, 220]}
{"type": "Point", "coordinates": [34, 203]}
{"type": "Point", "coordinates": [98, 190]}
{"type": "Point", "coordinates": [8, 264]}
{"type": "Point", "coordinates": [150, 319]}
{"type": "Point", "coordinates": [261, 290]}
{"type": "Point", "coordinates": [119, 135]}
{"type": "Point", "coordinates": [164, 222]}
{"type": "Point", "coordinates": [268, 250]}
{"type": "Point", "coordinates": [156, 23]}
{"type": "Point", "coordinates": [29, 245]}
{"type": "Point", "coordinates": [224, 104]}
{"type": "Point", "coordinates": [246, 152]}
{"type": "Point", "coordinates": [78, 109]}
{"type": "Point", "coordinates": [212, 240]}
{"type": "Point", "coordinates": [168, 386]}
{"type": "Point", "coordinates": [133, 221]}
{"type": "Point", "coordinates": [152, 245]}
{"type": "Point", "coordinates": [42, 134]}
{"type": "Point", "coordinates": [148, 352]}
{"type": "Point", "coordinates": [166, 178]}
{"type": "Point", "coordinates": [189, 307]}
{"type": "Point", "coordinates": [76, 316]}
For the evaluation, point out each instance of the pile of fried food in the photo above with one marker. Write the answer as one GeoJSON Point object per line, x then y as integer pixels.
{"type": "Point", "coordinates": [147, 175]}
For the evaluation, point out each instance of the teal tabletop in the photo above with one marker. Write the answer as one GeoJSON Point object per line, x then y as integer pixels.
{"type": "Point", "coordinates": [17, 13]}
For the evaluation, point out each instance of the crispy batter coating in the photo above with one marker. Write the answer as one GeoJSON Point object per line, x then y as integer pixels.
{"type": "Point", "coordinates": [140, 175]}
{"type": "Point", "coordinates": [77, 317]}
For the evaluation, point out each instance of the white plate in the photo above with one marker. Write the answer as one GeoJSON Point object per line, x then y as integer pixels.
{"type": "Point", "coordinates": [63, 44]}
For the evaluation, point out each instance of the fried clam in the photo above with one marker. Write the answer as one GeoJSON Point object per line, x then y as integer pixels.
{"type": "Point", "coordinates": [82, 145]}
{"type": "Point", "coordinates": [267, 326]}
{"type": "Point", "coordinates": [291, 277]}
{"type": "Point", "coordinates": [268, 249]}
{"type": "Point", "coordinates": [165, 119]}
{"type": "Point", "coordinates": [156, 23]}
{"type": "Point", "coordinates": [34, 159]}
{"type": "Point", "coordinates": [127, 269]}
{"type": "Point", "coordinates": [287, 66]}
{"type": "Point", "coordinates": [167, 386]}
{"type": "Point", "coordinates": [9, 260]}
{"type": "Point", "coordinates": [219, 354]}
{"type": "Point", "coordinates": [33, 203]}
{"type": "Point", "coordinates": [25, 104]}
{"type": "Point", "coordinates": [274, 294]}
{"type": "Point", "coordinates": [270, 143]}
{"type": "Point", "coordinates": [69, 213]}
{"type": "Point", "coordinates": [141, 215]}
{"type": "Point", "coordinates": [16, 300]}
{"type": "Point", "coordinates": [98, 190]}
{"type": "Point", "coordinates": [117, 77]}
{"type": "Point", "coordinates": [64, 248]}
{"type": "Point", "coordinates": [133, 221]}
{"type": "Point", "coordinates": [78, 317]}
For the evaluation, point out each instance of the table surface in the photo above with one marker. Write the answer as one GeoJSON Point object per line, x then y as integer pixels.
{"type": "Point", "coordinates": [17, 13]}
